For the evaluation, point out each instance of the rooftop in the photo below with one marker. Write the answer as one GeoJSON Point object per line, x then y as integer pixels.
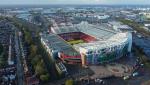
{"type": "Point", "coordinates": [55, 43]}
{"type": "Point", "coordinates": [105, 35]}
{"type": "Point", "coordinates": [101, 31]}
{"type": "Point", "coordinates": [117, 39]}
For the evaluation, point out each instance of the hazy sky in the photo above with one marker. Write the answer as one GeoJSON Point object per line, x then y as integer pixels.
{"type": "Point", "coordinates": [2, 2]}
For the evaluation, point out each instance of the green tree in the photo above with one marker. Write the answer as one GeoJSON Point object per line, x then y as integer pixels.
{"type": "Point", "coordinates": [35, 60]}
{"type": "Point", "coordinates": [33, 50]}
{"type": "Point", "coordinates": [2, 61]}
{"type": "Point", "coordinates": [45, 77]}
{"type": "Point", "coordinates": [28, 37]}
{"type": "Point", "coordinates": [69, 82]}
{"type": "Point", "coordinates": [39, 68]}
{"type": "Point", "coordinates": [1, 49]}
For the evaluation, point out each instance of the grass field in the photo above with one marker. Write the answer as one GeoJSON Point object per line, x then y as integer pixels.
{"type": "Point", "coordinates": [72, 42]}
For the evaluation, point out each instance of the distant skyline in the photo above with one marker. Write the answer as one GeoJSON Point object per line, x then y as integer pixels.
{"type": "Point", "coordinates": [103, 2]}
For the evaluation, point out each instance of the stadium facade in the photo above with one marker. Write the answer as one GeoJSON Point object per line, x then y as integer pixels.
{"type": "Point", "coordinates": [86, 43]}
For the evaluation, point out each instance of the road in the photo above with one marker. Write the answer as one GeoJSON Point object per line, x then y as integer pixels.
{"type": "Point", "coordinates": [20, 74]}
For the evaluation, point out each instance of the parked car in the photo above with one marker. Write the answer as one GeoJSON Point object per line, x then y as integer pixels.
{"type": "Point", "coordinates": [126, 77]}
{"type": "Point", "coordinates": [135, 74]}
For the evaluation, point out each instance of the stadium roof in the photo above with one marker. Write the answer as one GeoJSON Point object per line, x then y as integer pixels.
{"type": "Point", "coordinates": [115, 40]}
{"type": "Point", "coordinates": [106, 38]}
{"type": "Point", "coordinates": [64, 29]}
{"type": "Point", "coordinates": [102, 31]}
{"type": "Point", "coordinates": [55, 43]}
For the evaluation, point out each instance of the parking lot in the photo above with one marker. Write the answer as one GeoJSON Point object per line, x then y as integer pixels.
{"type": "Point", "coordinates": [126, 66]}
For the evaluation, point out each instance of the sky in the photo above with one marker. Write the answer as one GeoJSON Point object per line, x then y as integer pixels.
{"type": "Point", "coordinates": [126, 2]}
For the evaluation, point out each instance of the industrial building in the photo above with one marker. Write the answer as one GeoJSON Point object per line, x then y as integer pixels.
{"type": "Point", "coordinates": [118, 26]}
{"type": "Point", "coordinates": [86, 43]}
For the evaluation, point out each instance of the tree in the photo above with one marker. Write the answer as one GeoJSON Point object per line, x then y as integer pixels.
{"type": "Point", "coordinates": [35, 60]}
{"type": "Point", "coordinates": [33, 50]}
{"type": "Point", "coordinates": [39, 68]}
{"type": "Point", "coordinates": [69, 82]}
{"type": "Point", "coordinates": [1, 49]}
{"type": "Point", "coordinates": [2, 61]}
{"type": "Point", "coordinates": [44, 77]}
{"type": "Point", "coordinates": [28, 37]}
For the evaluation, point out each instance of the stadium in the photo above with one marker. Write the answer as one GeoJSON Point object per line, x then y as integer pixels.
{"type": "Point", "coordinates": [86, 43]}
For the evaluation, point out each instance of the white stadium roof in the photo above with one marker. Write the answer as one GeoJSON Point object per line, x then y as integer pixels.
{"type": "Point", "coordinates": [101, 31]}
{"type": "Point", "coordinates": [115, 40]}
{"type": "Point", "coordinates": [105, 35]}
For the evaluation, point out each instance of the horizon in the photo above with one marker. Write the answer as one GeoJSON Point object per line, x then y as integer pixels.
{"type": "Point", "coordinates": [75, 2]}
{"type": "Point", "coordinates": [71, 5]}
